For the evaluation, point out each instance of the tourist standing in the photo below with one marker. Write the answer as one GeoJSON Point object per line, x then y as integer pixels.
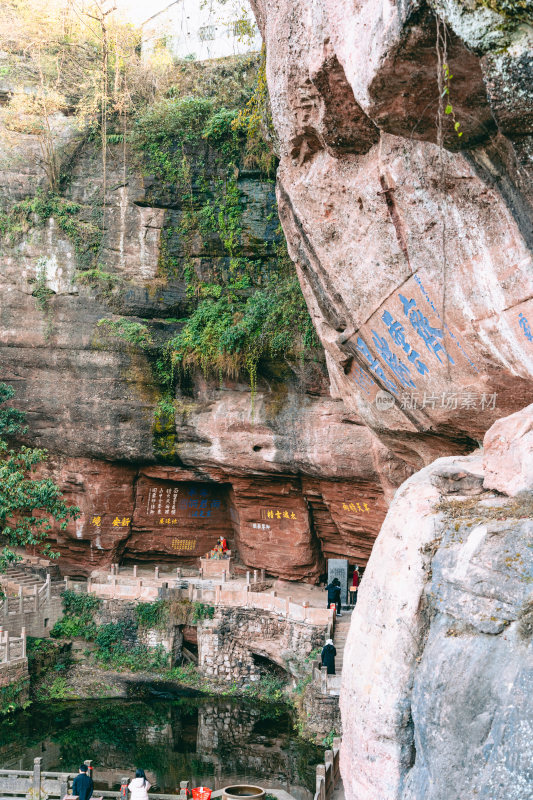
{"type": "Point", "coordinates": [139, 786]}
{"type": "Point", "coordinates": [328, 656]}
{"type": "Point", "coordinates": [355, 585]}
{"type": "Point", "coordinates": [334, 594]}
{"type": "Point", "coordinates": [83, 785]}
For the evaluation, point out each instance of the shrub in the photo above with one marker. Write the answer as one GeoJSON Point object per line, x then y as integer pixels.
{"type": "Point", "coordinates": [152, 615]}
{"type": "Point", "coordinates": [78, 619]}
{"type": "Point", "coordinates": [202, 611]}
{"type": "Point", "coordinates": [114, 635]}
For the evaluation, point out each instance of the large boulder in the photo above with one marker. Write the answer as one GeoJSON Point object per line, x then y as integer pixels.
{"type": "Point", "coordinates": [412, 242]}
{"type": "Point", "coordinates": [508, 454]}
{"type": "Point", "coordinates": [437, 688]}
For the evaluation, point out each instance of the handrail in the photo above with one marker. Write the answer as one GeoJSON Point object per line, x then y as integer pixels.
{"type": "Point", "coordinates": [12, 648]}
{"type": "Point", "coordinates": [328, 773]}
{"type": "Point", "coordinates": [220, 594]}
{"type": "Point", "coordinates": [15, 783]}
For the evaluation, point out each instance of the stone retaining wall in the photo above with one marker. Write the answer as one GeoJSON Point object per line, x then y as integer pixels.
{"type": "Point", "coordinates": [231, 646]}
{"type": "Point", "coordinates": [14, 684]}
{"type": "Point", "coordinates": [38, 619]}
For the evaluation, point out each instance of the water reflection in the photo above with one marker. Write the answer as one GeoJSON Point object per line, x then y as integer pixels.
{"type": "Point", "coordinates": [205, 741]}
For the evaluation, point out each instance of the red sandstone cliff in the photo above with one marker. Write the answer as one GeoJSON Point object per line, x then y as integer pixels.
{"type": "Point", "coordinates": [414, 260]}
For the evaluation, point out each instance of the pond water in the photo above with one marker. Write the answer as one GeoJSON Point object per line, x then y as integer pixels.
{"type": "Point", "coordinates": [211, 742]}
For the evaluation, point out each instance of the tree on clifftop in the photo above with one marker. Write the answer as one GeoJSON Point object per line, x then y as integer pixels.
{"type": "Point", "coordinates": [28, 506]}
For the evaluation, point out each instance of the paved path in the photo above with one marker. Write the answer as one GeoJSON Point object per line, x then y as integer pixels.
{"type": "Point", "coordinates": [342, 626]}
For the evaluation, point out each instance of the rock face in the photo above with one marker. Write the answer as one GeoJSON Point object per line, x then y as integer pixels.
{"type": "Point", "coordinates": [412, 242]}
{"type": "Point", "coordinates": [437, 687]}
{"type": "Point", "coordinates": [293, 481]}
{"type": "Point", "coordinates": [508, 448]}
{"type": "Point", "coordinates": [412, 246]}
{"type": "Point", "coordinates": [299, 481]}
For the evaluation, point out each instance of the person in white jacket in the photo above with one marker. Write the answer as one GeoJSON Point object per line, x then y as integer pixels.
{"type": "Point", "coordinates": [139, 786]}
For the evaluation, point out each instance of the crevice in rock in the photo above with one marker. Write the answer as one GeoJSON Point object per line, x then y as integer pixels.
{"type": "Point", "coordinates": [496, 164]}
{"type": "Point", "coordinates": [405, 93]}
{"type": "Point", "coordinates": [326, 297]}
{"type": "Point", "coordinates": [345, 128]}
{"type": "Point", "coordinates": [392, 208]}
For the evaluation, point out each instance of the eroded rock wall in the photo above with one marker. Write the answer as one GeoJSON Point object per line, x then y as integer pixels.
{"type": "Point", "coordinates": [292, 481]}
{"type": "Point", "coordinates": [412, 242]}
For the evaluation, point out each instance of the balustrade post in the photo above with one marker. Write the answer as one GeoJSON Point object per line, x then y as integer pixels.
{"type": "Point", "coordinates": [321, 782]}
{"type": "Point", "coordinates": [156, 573]}
{"type": "Point", "coordinates": [135, 570]}
{"type": "Point", "coordinates": [288, 602]}
{"type": "Point", "coordinates": [36, 786]}
{"type": "Point", "coordinates": [23, 637]}
{"type": "Point", "coordinates": [89, 765]}
{"type": "Point", "coordinates": [324, 680]}
{"type": "Point", "coordinates": [35, 598]}
{"type": "Point", "coordinates": [48, 586]}
{"type": "Point", "coordinates": [247, 577]}
{"type": "Point", "coordinates": [255, 576]}
{"type": "Point", "coordinates": [262, 575]}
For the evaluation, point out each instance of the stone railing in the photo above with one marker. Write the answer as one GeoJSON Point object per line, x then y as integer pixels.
{"type": "Point", "coordinates": [133, 587]}
{"type": "Point", "coordinates": [324, 683]}
{"type": "Point", "coordinates": [36, 612]}
{"type": "Point", "coordinates": [226, 595]}
{"type": "Point", "coordinates": [26, 603]}
{"type": "Point", "coordinates": [17, 783]}
{"type": "Point", "coordinates": [328, 774]}
{"type": "Point", "coordinates": [12, 648]}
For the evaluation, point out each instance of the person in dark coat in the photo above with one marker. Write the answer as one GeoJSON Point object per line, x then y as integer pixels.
{"type": "Point", "coordinates": [328, 656]}
{"type": "Point", "coordinates": [83, 785]}
{"type": "Point", "coordinates": [334, 594]}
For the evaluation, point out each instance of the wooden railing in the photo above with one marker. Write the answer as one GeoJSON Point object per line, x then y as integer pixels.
{"type": "Point", "coordinates": [328, 774]}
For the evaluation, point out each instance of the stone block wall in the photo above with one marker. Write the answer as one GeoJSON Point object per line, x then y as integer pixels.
{"type": "Point", "coordinates": [237, 644]}
{"type": "Point", "coordinates": [38, 622]}
{"type": "Point", "coordinates": [170, 638]}
{"type": "Point", "coordinates": [14, 684]}
{"type": "Point", "coordinates": [321, 713]}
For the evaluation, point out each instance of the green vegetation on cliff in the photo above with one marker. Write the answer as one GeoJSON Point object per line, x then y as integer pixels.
{"type": "Point", "coordinates": [201, 137]}
{"type": "Point", "coordinates": [28, 505]}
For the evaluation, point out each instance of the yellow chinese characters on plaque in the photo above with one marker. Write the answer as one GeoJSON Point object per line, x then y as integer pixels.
{"type": "Point", "coordinates": [277, 513]}
{"type": "Point", "coordinates": [184, 545]}
{"type": "Point", "coordinates": [356, 508]}
{"type": "Point", "coordinates": [118, 522]}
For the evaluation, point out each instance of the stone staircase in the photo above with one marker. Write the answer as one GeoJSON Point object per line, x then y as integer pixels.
{"type": "Point", "coordinates": [16, 576]}
{"type": "Point", "coordinates": [342, 626]}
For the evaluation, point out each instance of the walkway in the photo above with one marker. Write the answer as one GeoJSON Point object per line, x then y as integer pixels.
{"type": "Point", "coordinates": [342, 626]}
